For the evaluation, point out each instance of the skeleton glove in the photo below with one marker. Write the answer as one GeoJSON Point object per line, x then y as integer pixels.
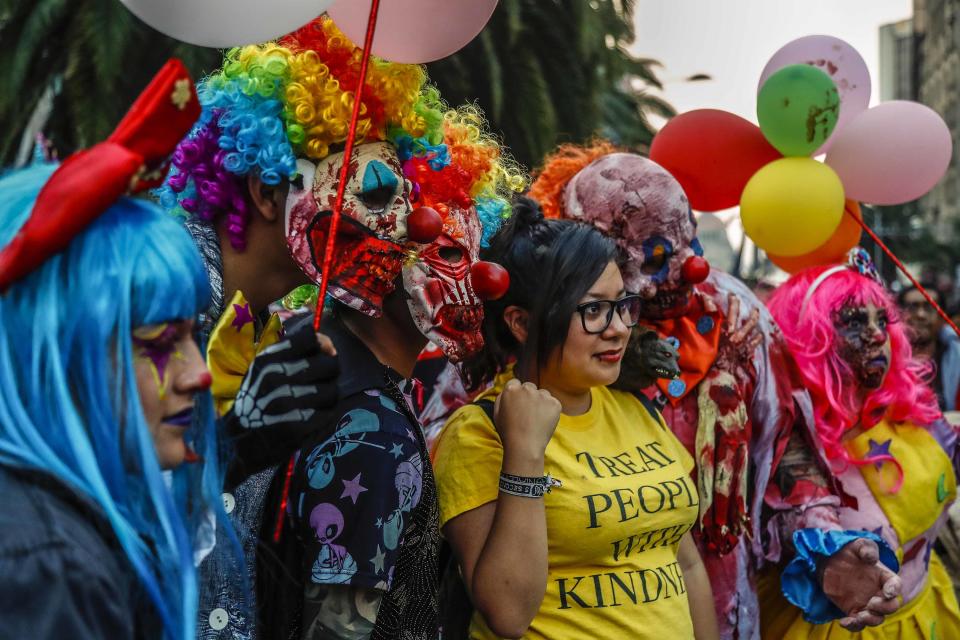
{"type": "Point", "coordinates": [283, 398]}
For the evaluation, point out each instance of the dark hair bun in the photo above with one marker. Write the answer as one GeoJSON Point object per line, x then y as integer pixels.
{"type": "Point", "coordinates": [526, 212]}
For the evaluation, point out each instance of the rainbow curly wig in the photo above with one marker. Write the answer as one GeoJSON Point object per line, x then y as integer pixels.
{"type": "Point", "coordinates": [272, 103]}
{"type": "Point", "coordinates": [904, 396]}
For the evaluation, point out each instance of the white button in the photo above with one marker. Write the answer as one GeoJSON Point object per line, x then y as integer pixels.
{"type": "Point", "coordinates": [218, 618]}
{"type": "Point", "coordinates": [228, 502]}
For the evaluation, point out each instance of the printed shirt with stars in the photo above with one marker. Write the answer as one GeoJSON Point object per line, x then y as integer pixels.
{"type": "Point", "coordinates": [355, 493]}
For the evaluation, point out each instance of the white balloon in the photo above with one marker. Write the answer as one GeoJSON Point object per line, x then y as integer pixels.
{"type": "Point", "coordinates": [226, 23]}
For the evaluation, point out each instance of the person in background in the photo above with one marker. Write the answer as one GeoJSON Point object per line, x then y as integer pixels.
{"type": "Point", "coordinates": [934, 340]}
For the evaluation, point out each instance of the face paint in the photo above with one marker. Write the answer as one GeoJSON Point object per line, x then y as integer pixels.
{"type": "Point", "coordinates": [369, 254]}
{"type": "Point", "coordinates": [643, 208]}
{"type": "Point", "coordinates": [442, 300]}
{"type": "Point", "coordinates": [156, 344]}
{"type": "Point", "coordinates": [864, 342]}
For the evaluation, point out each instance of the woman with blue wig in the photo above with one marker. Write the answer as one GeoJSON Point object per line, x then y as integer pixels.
{"type": "Point", "coordinates": [103, 391]}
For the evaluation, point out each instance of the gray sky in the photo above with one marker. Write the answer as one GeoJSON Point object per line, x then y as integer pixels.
{"type": "Point", "coordinates": [731, 40]}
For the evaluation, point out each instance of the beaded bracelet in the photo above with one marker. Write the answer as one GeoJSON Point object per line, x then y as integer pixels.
{"type": "Point", "coordinates": [527, 487]}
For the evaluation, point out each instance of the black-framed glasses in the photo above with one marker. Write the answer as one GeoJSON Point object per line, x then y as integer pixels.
{"type": "Point", "coordinates": [597, 315]}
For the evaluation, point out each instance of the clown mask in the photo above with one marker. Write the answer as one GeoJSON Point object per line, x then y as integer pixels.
{"type": "Point", "coordinates": [643, 208]}
{"type": "Point", "coordinates": [368, 255]}
{"type": "Point", "coordinates": [442, 301]}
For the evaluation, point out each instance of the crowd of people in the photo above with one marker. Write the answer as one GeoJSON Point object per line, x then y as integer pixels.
{"type": "Point", "coordinates": [532, 409]}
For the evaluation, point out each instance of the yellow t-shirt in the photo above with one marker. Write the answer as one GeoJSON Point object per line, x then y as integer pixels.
{"type": "Point", "coordinates": [614, 527]}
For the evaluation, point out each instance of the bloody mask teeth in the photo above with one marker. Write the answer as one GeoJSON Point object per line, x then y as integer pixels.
{"type": "Point", "coordinates": [442, 301]}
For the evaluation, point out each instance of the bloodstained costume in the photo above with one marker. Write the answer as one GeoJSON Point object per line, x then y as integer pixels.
{"type": "Point", "coordinates": [742, 414]}
{"type": "Point", "coordinates": [888, 445]}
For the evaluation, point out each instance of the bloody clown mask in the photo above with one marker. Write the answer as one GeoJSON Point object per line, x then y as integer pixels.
{"type": "Point", "coordinates": [369, 253]}
{"type": "Point", "coordinates": [643, 208]}
{"type": "Point", "coordinates": [442, 301]}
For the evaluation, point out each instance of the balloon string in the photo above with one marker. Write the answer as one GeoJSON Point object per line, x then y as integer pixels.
{"type": "Point", "coordinates": [334, 221]}
{"type": "Point", "coordinates": [284, 497]}
{"type": "Point", "coordinates": [903, 269]}
{"type": "Point", "coordinates": [345, 169]}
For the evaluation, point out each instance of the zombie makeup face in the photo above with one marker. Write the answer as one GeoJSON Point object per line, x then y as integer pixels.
{"type": "Point", "coordinates": [863, 341]}
{"type": "Point", "coordinates": [643, 208]}
{"type": "Point", "coordinates": [369, 256]}
{"type": "Point", "coordinates": [442, 299]}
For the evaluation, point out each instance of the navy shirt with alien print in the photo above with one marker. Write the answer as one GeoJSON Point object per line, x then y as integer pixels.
{"type": "Point", "coordinates": [363, 499]}
{"type": "Point", "coordinates": [356, 532]}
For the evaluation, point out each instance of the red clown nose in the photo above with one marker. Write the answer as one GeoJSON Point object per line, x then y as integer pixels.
{"type": "Point", "coordinates": [695, 269]}
{"type": "Point", "coordinates": [424, 225]}
{"type": "Point", "coordinates": [490, 280]}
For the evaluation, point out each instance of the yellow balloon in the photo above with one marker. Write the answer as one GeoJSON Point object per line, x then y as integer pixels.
{"type": "Point", "coordinates": [792, 206]}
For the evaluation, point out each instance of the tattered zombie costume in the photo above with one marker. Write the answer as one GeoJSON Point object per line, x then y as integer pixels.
{"type": "Point", "coordinates": [888, 446]}
{"type": "Point", "coordinates": [281, 111]}
{"type": "Point", "coordinates": [738, 405]}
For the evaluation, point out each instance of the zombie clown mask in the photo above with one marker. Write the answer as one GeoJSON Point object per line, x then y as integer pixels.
{"type": "Point", "coordinates": [643, 208]}
{"type": "Point", "coordinates": [443, 302]}
{"type": "Point", "coordinates": [369, 255]}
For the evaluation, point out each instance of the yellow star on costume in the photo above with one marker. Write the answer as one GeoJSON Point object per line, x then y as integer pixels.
{"type": "Point", "coordinates": [232, 348]}
{"type": "Point", "coordinates": [181, 95]}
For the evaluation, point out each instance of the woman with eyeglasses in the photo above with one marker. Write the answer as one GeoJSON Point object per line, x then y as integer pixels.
{"type": "Point", "coordinates": [568, 505]}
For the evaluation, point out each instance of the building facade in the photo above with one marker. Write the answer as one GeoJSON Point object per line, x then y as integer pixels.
{"type": "Point", "coordinates": [897, 61]}
{"type": "Point", "coordinates": [936, 26]}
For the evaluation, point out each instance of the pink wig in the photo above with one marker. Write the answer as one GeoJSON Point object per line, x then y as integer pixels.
{"type": "Point", "coordinates": [904, 396]}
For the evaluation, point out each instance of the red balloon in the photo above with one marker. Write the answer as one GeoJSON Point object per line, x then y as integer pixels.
{"type": "Point", "coordinates": [695, 269]}
{"type": "Point", "coordinates": [490, 280]}
{"type": "Point", "coordinates": [712, 154]}
{"type": "Point", "coordinates": [424, 225]}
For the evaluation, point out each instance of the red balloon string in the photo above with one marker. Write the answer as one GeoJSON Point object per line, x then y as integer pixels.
{"type": "Point", "coordinates": [284, 497]}
{"type": "Point", "coordinates": [903, 269]}
{"type": "Point", "coordinates": [334, 222]}
{"type": "Point", "coordinates": [345, 169]}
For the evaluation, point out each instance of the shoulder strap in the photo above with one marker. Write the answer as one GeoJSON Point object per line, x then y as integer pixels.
{"type": "Point", "coordinates": [649, 406]}
{"type": "Point", "coordinates": [487, 405]}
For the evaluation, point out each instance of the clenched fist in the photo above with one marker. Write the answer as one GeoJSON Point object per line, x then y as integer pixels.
{"type": "Point", "coordinates": [526, 418]}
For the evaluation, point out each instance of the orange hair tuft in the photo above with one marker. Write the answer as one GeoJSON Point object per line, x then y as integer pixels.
{"type": "Point", "coordinates": [559, 167]}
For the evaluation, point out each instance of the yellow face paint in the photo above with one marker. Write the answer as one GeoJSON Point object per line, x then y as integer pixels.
{"type": "Point", "coordinates": [155, 345]}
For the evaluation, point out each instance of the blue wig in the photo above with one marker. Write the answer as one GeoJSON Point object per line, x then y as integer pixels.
{"type": "Point", "coordinates": [68, 396]}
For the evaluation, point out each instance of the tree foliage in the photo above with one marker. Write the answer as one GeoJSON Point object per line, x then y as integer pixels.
{"type": "Point", "coordinates": [544, 72]}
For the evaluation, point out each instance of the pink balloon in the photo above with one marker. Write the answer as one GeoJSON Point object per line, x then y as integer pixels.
{"type": "Point", "coordinates": [892, 153]}
{"type": "Point", "coordinates": [414, 31]}
{"type": "Point", "coordinates": [838, 60]}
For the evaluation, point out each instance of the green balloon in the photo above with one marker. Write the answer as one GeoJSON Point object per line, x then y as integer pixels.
{"type": "Point", "coordinates": [798, 108]}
